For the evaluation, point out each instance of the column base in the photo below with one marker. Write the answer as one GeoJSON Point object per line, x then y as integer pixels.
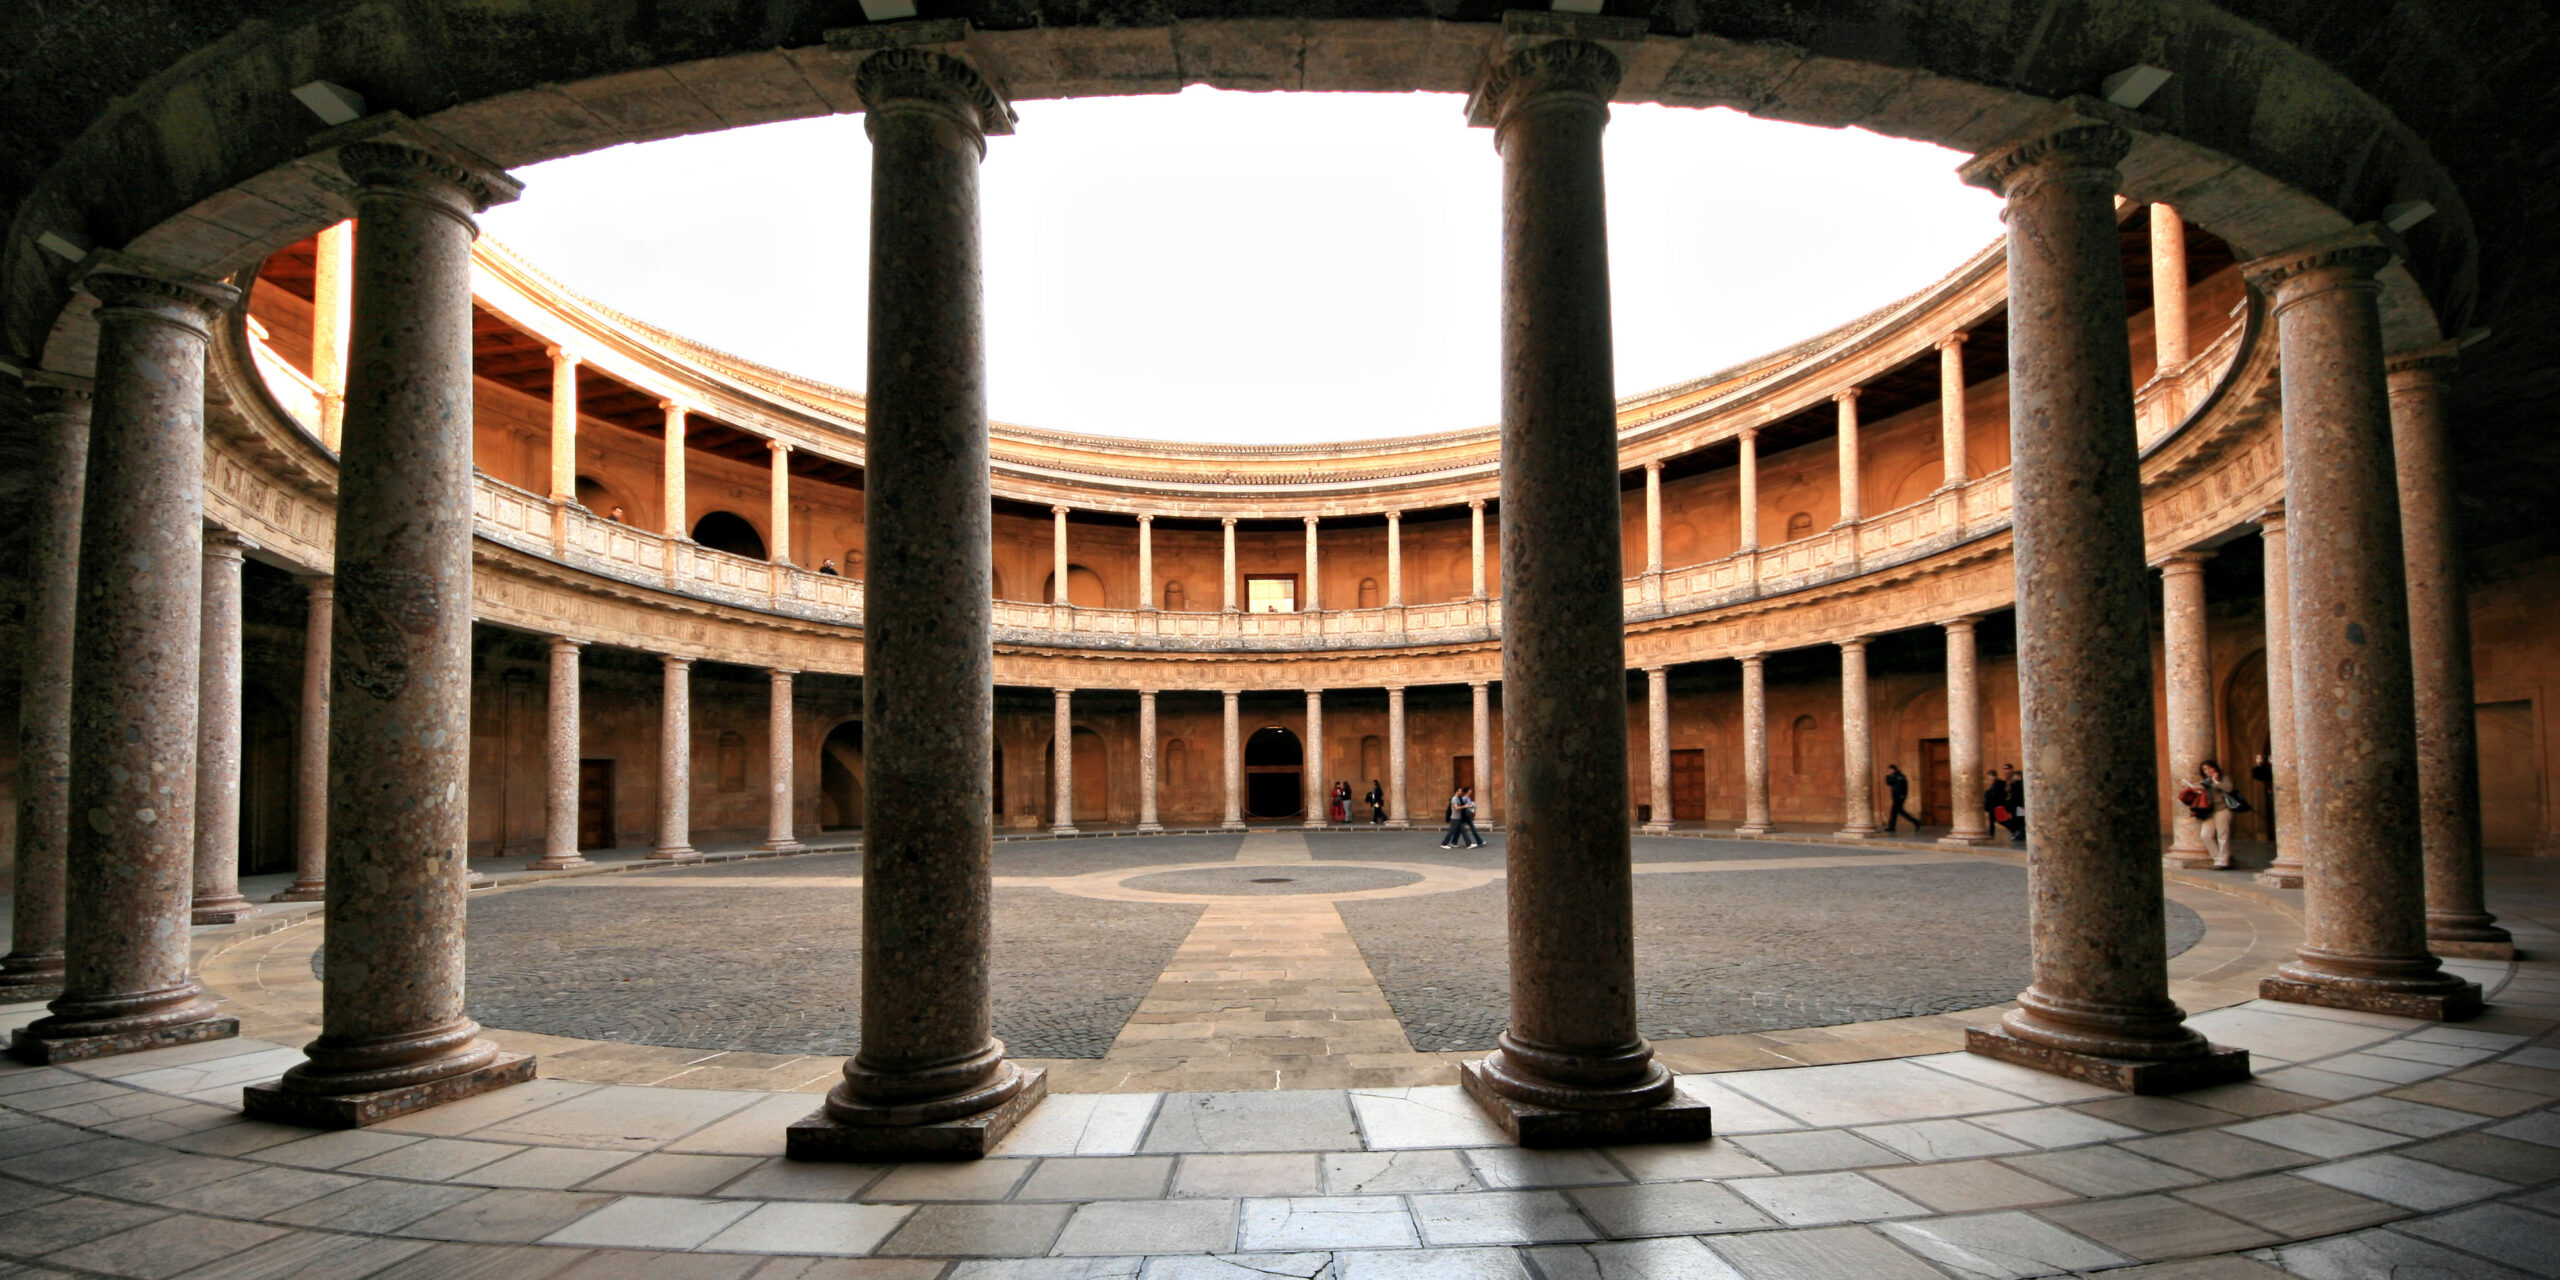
{"type": "Point", "coordinates": [1682, 1119]}
{"type": "Point", "coordinates": [2468, 935]}
{"type": "Point", "coordinates": [1062, 831]}
{"type": "Point", "coordinates": [1656, 828]}
{"type": "Point", "coordinates": [1231, 825]}
{"type": "Point", "coordinates": [674, 853]}
{"type": "Point", "coordinates": [2187, 859]}
{"type": "Point", "coordinates": [2216, 1065]}
{"type": "Point", "coordinates": [2472, 949]}
{"type": "Point", "coordinates": [1753, 829]}
{"type": "Point", "coordinates": [2281, 877]}
{"type": "Point", "coordinates": [1399, 824]}
{"type": "Point", "coordinates": [39, 1050]}
{"type": "Point", "coordinates": [271, 1102]}
{"type": "Point", "coordinates": [1150, 828]}
{"type": "Point", "coordinates": [478, 880]}
{"type": "Point", "coordinates": [823, 1137]}
{"type": "Point", "coordinates": [303, 891]}
{"type": "Point", "coordinates": [27, 979]}
{"type": "Point", "coordinates": [1858, 833]}
{"type": "Point", "coordinates": [224, 910]}
{"type": "Point", "coordinates": [2454, 1002]}
{"type": "Point", "coordinates": [784, 845]}
{"type": "Point", "coordinates": [1968, 839]}
{"type": "Point", "coordinates": [562, 863]}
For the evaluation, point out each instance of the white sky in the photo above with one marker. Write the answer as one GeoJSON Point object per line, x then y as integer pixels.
{"type": "Point", "coordinates": [1237, 267]}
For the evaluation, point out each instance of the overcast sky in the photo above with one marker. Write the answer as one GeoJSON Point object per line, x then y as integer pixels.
{"type": "Point", "coordinates": [1238, 267]}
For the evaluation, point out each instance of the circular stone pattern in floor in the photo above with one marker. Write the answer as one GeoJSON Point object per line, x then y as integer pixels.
{"type": "Point", "coordinates": [1296, 878]}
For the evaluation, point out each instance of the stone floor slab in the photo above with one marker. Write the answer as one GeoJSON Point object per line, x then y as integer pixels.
{"type": "Point", "coordinates": [1149, 1226]}
{"type": "Point", "coordinates": [652, 1222]}
{"type": "Point", "coordinates": [2000, 1246]}
{"type": "Point", "coordinates": [1499, 1217]}
{"type": "Point", "coordinates": [1327, 1222]}
{"type": "Point", "coordinates": [829, 1229]}
{"type": "Point", "coordinates": [2292, 1207]}
{"type": "Point", "coordinates": [1827, 1254]}
{"type": "Point", "coordinates": [1820, 1199]}
{"type": "Point", "coordinates": [1667, 1209]}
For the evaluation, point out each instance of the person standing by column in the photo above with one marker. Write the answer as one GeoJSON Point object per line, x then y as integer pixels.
{"type": "Point", "coordinates": [1377, 803]}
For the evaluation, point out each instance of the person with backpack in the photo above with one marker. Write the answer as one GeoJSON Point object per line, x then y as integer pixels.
{"type": "Point", "coordinates": [1898, 785]}
{"type": "Point", "coordinates": [2211, 802]}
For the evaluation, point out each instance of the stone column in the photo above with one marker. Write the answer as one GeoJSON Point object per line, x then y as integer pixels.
{"type": "Point", "coordinates": [1964, 737]}
{"type": "Point", "coordinates": [1312, 783]}
{"type": "Point", "coordinates": [781, 515]}
{"type": "Point", "coordinates": [1481, 697]}
{"type": "Point", "coordinates": [332, 310]}
{"type": "Point", "coordinates": [675, 762]}
{"type": "Point", "coordinates": [781, 763]}
{"type": "Point", "coordinates": [1755, 746]}
{"type": "Point", "coordinates": [2099, 1009]}
{"type": "Point", "coordinates": [2189, 660]}
{"type": "Point", "coordinates": [671, 473]}
{"type": "Point", "coordinates": [1397, 815]}
{"type": "Point", "coordinates": [560, 802]}
{"type": "Point", "coordinates": [1395, 559]}
{"type": "Point", "coordinates": [1653, 529]}
{"type": "Point", "coordinates": [2168, 289]}
{"type": "Point", "coordinates": [1227, 581]}
{"type": "Point", "coordinates": [930, 1080]}
{"type": "Point", "coordinates": [2364, 918]}
{"type": "Point", "coordinates": [1147, 761]}
{"type": "Point", "coordinates": [1750, 499]}
{"type": "Point", "coordinates": [1955, 470]}
{"type": "Point", "coordinates": [1475, 514]}
{"type": "Point", "coordinates": [1146, 564]}
{"type": "Point", "coordinates": [1657, 706]}
{"type": "Point", "coordinates": [1232, 760]}
{"type": "Point", "coordinates": [1058, 555]}
{"type": "Point", "coordinates": [564, 425]}
{"type": "Point", "coordinates": [1312, 603]}
{"type": "Point", "coordinates": [1062, 758]}
{"type": "Point", "coordinates": [33, 968]}
{"type": "Point", "coordinates": [1847, 403]}
{"type": "Point", "coordinates": [2459, 922]}
{"type": "Point", "coordinates": [129, 870]}
{"type": "Point", "coordinates": [2286, 871]}
{"type": "Point", "coordinates": [1857, 743]}
{"type": "Point", "coordinates": [394, 1034]}
{"type": "Point", "coordinates": [1571, 1068]}
{"type": "Point", "coordinates": [217, 800]}
{"type": "Point", "coordinates": [311, 750]}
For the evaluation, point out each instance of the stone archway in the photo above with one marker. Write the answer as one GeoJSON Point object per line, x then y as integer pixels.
{"type": "Point", "coordinates": [840, 798]}
{"type": "Point", "coordinates": [728, 531]}
{"type": "Point", "coordinates": [1274, 762]}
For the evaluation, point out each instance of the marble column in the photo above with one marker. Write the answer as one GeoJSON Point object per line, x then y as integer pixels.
{"type": "Point", "coordinates": [58, 463]}
{"type": "Point", "coordinates": [1058, 556]}
{"type": "Point", "coordinates": [2286, 871]}
{"type": "Point", "coordinates": [1312, 603]}
{"type": "Point", "coordinates": [217, 800]}
{"type": "Point", "coordinates": [1397, 815]}
{"type": "Point", "coordinates": [930, 1080]}
{"type": "Point", "coordinates": [130, 862]}
{"type": "Point", "coordinates": [1847, 405]}
{"type": "Point", "coordinates": [1312, 784]}
{"type": "Point", "coordinates": [1657, 720]}
{"type": "Point", "coordinates": [1231, 762]}
{"type": "Point", "coordinates": [1953, 467]}
{"type": "Point", "coordinates": [564, 425]}
{"type": "Point", "coordinates": [780, 763]}
{"type": "Point", "coordinates": [2168, 289]}
{"type": "Point", "coordinates": [2187, 655]}
{"type": "Point", "coordinates": [2364, 897]}
{"type": "Point", "coordinates": [2099, 1008]}
{"type": "Point", "coordinates": [1749, 473]}
{"type": "Point", "coordinates": [781, 513]}
{"type": "Point", "coordinates": [1475, 516]}
{"type": "Point", "coordinates": [1147, 761]}
{"type": "Point", "coordinates": [394, 1033]}
{"type": "Point", "coordinates": [1755, 746]}
{"type": "Point", "coordinates": [560, 800]}
{"type": "Point", "coordinates": [1653, 530]}
{"type": "Point", "coordinates": [1227, 579]}
{"type": "Point", "coordinates": [311, 749]}
{"type": "Point", "coordinates": [1146, 564]}
{"type": "Point", "coordinates": [1395, 559]}
{"type": "Point", "coordinates": [332, 310]}
{"type": "Point", "coordinates": [671, 473]}
{"type": "Point", "coordinates": [1481, 697]}
{"type": "Point", "coordinates": [1062, 763]}
{"type": "Point", "coordinates": [1570, 1069]}
{"type": "Point", "coordinates": [1964, 737]}
{"type": "Point", "coordinates": [1857, 743]}
{"type": "Point", "coordinates": [2459, 922]}
{"type": "Point", "coordinates": [675, 762]}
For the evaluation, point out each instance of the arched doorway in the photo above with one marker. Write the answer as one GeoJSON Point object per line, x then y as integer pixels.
{"type": "Point", "coordinates": [1273, 763]}
{"type": "Point", "coordinates": [728, 531]}
{"type": "Point", "coordinates": [1084, 588]}
{"type": "Point", "coordinates": [840, 778]}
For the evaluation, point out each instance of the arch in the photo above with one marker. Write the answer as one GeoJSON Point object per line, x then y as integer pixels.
{"type": "Point", "coordinates": [840, 778]}
{"type": "Point", "coordinates": [1368, 593]}
{"type": "Point", "coordinates": [995, 582]}
{"type": "Point", "coordinates": [728, 531]}
{"type": "Point", "coordinates": [1802, 748]}
{"type": "Point", "coordinates": [1173, 596]}
{"type": "Point", "coordinates": [1799, 525]}
{"type": "Point", "coordinates": [1084, 588]}
{"type": "Point", "coordinates": [1274, 761]}
{"type": "Point", "coordinates": [1092, 798]}
{"type": "Point", "coordinates": [601, 498]}
{"type": "Point", "coordinates": [732, 761]}
{"type": "Point", "coordinates": [1679, 543]}
{"type": "Point", "coordinates": [852, 562]}
{"type": "Point", "coordinates": [1916, 482]}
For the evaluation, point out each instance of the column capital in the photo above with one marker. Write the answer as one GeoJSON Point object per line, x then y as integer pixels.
{"type": "Point", "coordinates": [1748, 435]}
{"type": "Point", "coordinates": [1657, 670]}
{"type": "Point", "coordinates": [1475, 504]}
{"type": "Point", "coordinates": [906, 76]}
{"type": "Point", "coordinates": [1479, 685]}
{"type": "Point", "coordinates": [674, 408]}
{"type": "Point", "coordinates": [1311, 520]}
{"type": "Point", "coordinates": [779, 446]}
{"type": "Point", "coordinates": [1147, 693]}
{"type": "Point", "coordinates": [2348, 258]}
{"type": "Point", "coordinates": [674, 663]}
{"type": "Point", "coordinates": [227, 543]}
{"type": "Point", "coordinates": [2270, 520]}
{"type": "Point", "coordinates": [1062, 690]}
{"type": "Point", "coordinates": [1567, 68]}
{"type": "Point", "coordinates": [1752, 659]}
{"type": "Point", "coordinates": [320, 584]}
{"type": "Point", "coordinates": [1394, 688]}
{"type": "Point", "coordinates": [2082, 142]}
{"type": "Point", "coordinates": [1057, 510]}
{"type": "Point", "coordinates": [391, 151]}
{"type": "Point", "coordinates": [1227, 521]}
{"type": "Point", "coordinates": [2428, 362]}
{"type": "Point", "coordinates": [1393, 516]}
{"type": "Point", "coordinates": [1858, 643]}
{"type": "Point", "coordinates": [783, 672]}
{"type": "Point", "coordinates": [172, 297]}
{"type": "Point", "coordinates": [1953, 340]}
{"type": "Point", "coordinates": [563, 355]}
{"type": "Point", "coordinates": [569, 644]}
{"type": "Point", "coordinates": [2187, 561]}
{"type": "Point", "coordinates": [1146, 517]}
{"type": "Point", "coordinates": [1848, 395]}
{"type": "Point", "coordinates": [1966, 622]}
{"type": "Point", "coordinates": [1653, 467]}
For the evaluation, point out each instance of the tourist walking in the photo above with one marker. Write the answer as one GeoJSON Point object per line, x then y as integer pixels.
{"type": "Point", "coordinates": [2210, 799]}
{"type": "Point", "coordinates": [1377, 803]}
{"type": "Point", "coordinates": [1898, 786]}
{"type": "Point", "coordinates": [1449, 838]}
{"type": "Point", "coordinates": [1465, 829]}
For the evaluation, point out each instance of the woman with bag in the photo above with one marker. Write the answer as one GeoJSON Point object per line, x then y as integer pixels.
{"type": "Point", "coordinates": [2211, 801]}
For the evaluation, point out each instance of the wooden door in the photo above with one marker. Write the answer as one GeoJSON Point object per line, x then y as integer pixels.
{"type": "Point", "coordinates": [1937, 790]}
{"type": "Point", "coordinates": [1689, 786]}
{"type": "Point", "coordinates": [595, 804]}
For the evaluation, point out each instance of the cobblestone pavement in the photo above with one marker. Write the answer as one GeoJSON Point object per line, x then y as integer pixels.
{"type": "Point", "coordinates": [1725, 952]}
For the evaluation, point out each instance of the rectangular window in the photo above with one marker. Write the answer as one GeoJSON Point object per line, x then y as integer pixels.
{"type": "Point", "coordinates": [1274, 593]}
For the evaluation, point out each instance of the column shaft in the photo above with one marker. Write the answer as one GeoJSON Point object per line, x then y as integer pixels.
{"type": "Point", "coordinates": [780, 763]}
{"type": "Point", "coordinates": [560, 807]}
{"type": "Point", "coordinates": [1062, 770]}
{"type": "Point", "coordinates": [1395, 559]}
{"type": "Point", "coordinates": [679, 522]}
{"type": "Point", "coordinates": [2099, 1009]}
{"type": "Point", "coordinates": [2187, 656]}
{"type": "Point", "coordinates": [1227, 579]}
{"type": "Point", "coordinates": [1397, 815]}
{"type": "Point", "coordinates": [1312, 784]}
{"type": "Point", "coordinates": [1954, 469]}
{"type": "Point", "coordinates": [1481, 698]}
{"type": "Point", "coordinates": [2364, 918]}
{"type": "Point", "coordinates": [1847, 402]}
{"type": "Point", "coordinates": [1657, 723]}
{"type": "Point", "coordinates": [311, 749]}
{"type": "Point", "coordinates": [1058, 555]}
{"type": "Point", "coordinates": [33, 968]}
{"type": "Point", "coordinates": [675, 761]}
{"type": "Point", "coordinates": [1965, 779]}
{"type": "Point", "coordinates": [217, 891]}
{"type": "Point", "coordinates": [2168, 289]}
{"type": "Point", "coordinates": [1146, 563]}
{"type": "Point", "coordinates": [1653, 517]}
{"type": "Point", "coordinates": [1749, 472]}
{"type": "Point", "coordinates": [1755, 745]}
{"type": "Point", "coordinates": [781, 514]}
{"type": "Point", "coordinates": [2286, 871]}
{"type": "Point", "coordinates": [1857, 744]}
{"type": "Point", "coordinates": [1475, 515]}
{"type": "Point", "coordinates": [1231, 761]}
{"type": "Point", "coordinates": [564, 426]}
{"type": "Point", "coordinates": [1147, 764]}
{"type": "Point", "coordinates": [1313, 601]}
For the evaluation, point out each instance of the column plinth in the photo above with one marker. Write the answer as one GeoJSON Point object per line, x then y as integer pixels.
{"type": "Point", "coordinates": [2099, 1009]}
{"type": "Point", "coordinates": [33, 968]}
{"type": "Point", "coordinates": [1570, 1069]}
{"type": "Point", "coordinates": [1147, 761]}
{"type": "Point", "coordinates": [560, 800]}
{"type": "Point", "coordinates": [2364, 898]}
{"type": "Point", "coordinates": [1755, 746]}
{"type": "Point", "coordinates": [394, 1034]}
{"type": "Point", "coordinates": [217, 896]}
{"type": "Point", "coordinates": [130, 860]}
{"type": "Point", "coordinates": [2189, 679]}
{"type": "Point", "coordinates": [779, 835]}
{"type": "Point", "coordinates": [931, 1080]}
{"type": "Point", "coordinates": [1857, 744]}
{"type": "Point", "coordinates": [311, 750]}
{"type": "Point", "coordinates": [675, 763]}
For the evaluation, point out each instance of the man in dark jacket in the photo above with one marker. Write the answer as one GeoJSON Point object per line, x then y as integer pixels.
{"type": "Point", "coordinates": [2017, 798]}
{"type": "Point", "coordinates": [1897, 785]}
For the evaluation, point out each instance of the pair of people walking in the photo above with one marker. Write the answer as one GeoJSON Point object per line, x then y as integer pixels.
{"type": "Point", "coordinates": [2004, 800]}
{"type": "Point", "coordinates": [1462, 831]}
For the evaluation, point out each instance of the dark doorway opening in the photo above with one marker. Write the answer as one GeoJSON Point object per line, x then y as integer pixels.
{"type": "Point", "coordinates": [595, 804]}
{"type": "Point", "coordinates": [267, 783]}
{"type": "Point", "coordinates": [1937, 788]}
{"type": "Point", "coordinates": [728, 531]}
{"type": "Point", "coordinates": [840, 778]}
{"type": "Point", "coordinates": [1689, 785]}
{"type": "Point", "coordinates": [1274, 763]}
